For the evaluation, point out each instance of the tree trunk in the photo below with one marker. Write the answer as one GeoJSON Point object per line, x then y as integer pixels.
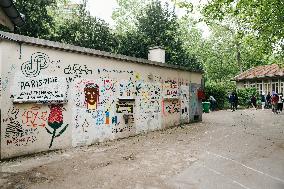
{"type": "Point", "coordinates": [239, 57]}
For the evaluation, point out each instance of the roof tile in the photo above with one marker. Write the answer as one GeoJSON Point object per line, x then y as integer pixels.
{"type": "Point", "coordinates": [272, 70]}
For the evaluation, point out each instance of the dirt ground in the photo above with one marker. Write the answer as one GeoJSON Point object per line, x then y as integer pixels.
{"type": "Point", "coordinates": [241, 149]}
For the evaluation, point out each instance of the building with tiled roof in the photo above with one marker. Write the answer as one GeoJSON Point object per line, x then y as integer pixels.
{"type": "Point", "coordinates": [265, 78]}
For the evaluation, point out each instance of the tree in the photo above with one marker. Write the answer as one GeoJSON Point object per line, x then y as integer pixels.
{"type": "Point", "coordinates": [81, 29]}
{"type": "Point", "coordinates": [38, 22]}
{"type": "Point", "coordinates": [157, 25]}
{"type": "Point", "coordinates": [125, 16]}
{"type": "Point", "coordinates": [262, 17]}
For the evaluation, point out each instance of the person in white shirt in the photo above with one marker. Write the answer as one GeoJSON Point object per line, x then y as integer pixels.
{"type": "Point", "coordinates": [213, 103]}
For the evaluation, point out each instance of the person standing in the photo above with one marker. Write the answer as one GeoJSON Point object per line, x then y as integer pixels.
{"type": "Point", "coordinates": [213, 103]}
{"type": "Point", "coordinates": [232, 101]}
{"type": "Point", "coordinates": [263, 100]}
{"type": "Point", "coordinates": [280, 103]}
{"type": "Point", "coordinates": [268, 100]}
{"type": "Point", "coordinates": [253, 101]}
{"type": "Point", "coordinates": [236, 101]}
{"type": "Point", "coordinates": [274, 102]}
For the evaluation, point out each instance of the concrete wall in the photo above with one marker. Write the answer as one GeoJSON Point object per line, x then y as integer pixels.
{"type": "Point", "coordinates": [54, 99]}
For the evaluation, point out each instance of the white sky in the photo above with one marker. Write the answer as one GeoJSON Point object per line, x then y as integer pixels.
{"type": "Point", "coordinates": [103, 9]}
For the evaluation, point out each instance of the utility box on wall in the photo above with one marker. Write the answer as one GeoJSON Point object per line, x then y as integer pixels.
{"type": "Point", "coordinates": [55, 95]}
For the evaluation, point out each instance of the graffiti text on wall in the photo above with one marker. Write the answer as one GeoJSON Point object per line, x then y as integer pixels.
{"type": "Point", "coordinates": [33, 117]}
{"type": "Point", "coordinates": [76, 71]}
{"type": "Point", "coordinates": [149, 105]}
{"type": "Point", "coordinates": [36, 83]}
{"type": "Point", "coordinates": [15, 134]}
{"type": "Point", "coordinates": [184, 97]}
{"type": "Point", "coordinates": [172, 106]}
{"type": "Point", "coordinates": [170, 89]}
{"type": "Point", "coordinates": [114, 71]}
{"type": "Point", "coordinates": [43, 89]}
{"type": "Point", "coordinates": [37, 62]}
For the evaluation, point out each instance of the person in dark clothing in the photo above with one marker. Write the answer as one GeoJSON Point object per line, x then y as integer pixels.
{"type": "Point", "coordinates": [274, 102]}
{"type": "Point", "coordinates": [268, 100]}
{"type": "Point", "coordinates": [236, 101]}
{"type": "Point", "coordinates": [253, 101]}
{"type": "Point", "coordinates": [232, 101]}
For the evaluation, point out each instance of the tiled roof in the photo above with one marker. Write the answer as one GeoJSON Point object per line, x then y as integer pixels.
{"type": "Point", "coordinates": [272, 70]}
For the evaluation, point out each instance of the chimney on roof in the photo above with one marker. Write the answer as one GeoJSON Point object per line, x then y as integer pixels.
{"type": "Point", "coordinates": [156, 54]}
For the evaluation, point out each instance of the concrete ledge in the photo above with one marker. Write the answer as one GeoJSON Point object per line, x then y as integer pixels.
{"type": "Point", "coordinates": [73, 48]}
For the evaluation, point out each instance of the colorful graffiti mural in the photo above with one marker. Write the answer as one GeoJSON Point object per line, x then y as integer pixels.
{"type": "Point", "coordinates": [92, 94]}
{"type": "Point", "coordinates": [149, 97]}
{"type": "Point", "coordinates": [55, 121]}
{"type": "Point", "coordinates": [184, 100]}
{"type": "Point", "coordinates": [103, 104]}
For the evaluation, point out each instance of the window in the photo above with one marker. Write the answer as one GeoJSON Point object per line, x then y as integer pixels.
{"type": "Point", "coordinates": [275, 85]}
{"type": "Point", "coordinates": [252, 84]}
{"type": "Point", "coordinates": [267, 87]}
{"type": "Point", "coordinates": [246, 84]}
{"type": "Point", "coordinates": [281, 88]}
{"type": "Point", "coordinates": [259, 87]}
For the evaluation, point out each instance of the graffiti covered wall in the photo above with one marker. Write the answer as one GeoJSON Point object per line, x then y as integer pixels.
{"type": "Point", "coordinates": [53, 99]}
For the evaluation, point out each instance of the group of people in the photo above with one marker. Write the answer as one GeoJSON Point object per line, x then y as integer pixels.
{"type": "Point", "coordinates": [274, 101]}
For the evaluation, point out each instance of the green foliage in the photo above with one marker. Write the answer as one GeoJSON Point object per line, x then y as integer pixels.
{"type": "Point", "coordinates": [244, 33]}
{"type": "Point", "coordinates": [56, 20]}
{"type": "Point", "coordinates": [125, 16]}
{"type": "Point", "coordinates": [132, 44]}
{"type": "Point", "coordinates": [140, 25]}
{"type": "Point", "coordinates": [245, 95]}
{"type": "Point", "coordinates": [184, 4]}
{"type": "Point", "coordinates": [219, 91]}
{"type": "Point", "coordinates": [245, 46]}
{"type": "Point", "coordinates": [157, 25]}
{"type": "Point", "coordinates": [84, 30]}
{"type": "Point", "coordinates": [38, 22]}
{"type": "Point", "coordinates": [263, 18]}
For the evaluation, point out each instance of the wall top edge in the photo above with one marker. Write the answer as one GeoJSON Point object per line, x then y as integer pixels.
{"type": "Point", "coordinates": [72, 48]}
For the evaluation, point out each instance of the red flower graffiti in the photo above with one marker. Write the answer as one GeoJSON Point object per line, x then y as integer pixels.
{"type": "Point", "coordinates": [55, 121]}
{"type": "Point", "coordinates": [55, 118]}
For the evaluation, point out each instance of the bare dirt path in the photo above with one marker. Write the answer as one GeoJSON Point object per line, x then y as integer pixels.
{"type": "Point", "coordinates": [242, 149]}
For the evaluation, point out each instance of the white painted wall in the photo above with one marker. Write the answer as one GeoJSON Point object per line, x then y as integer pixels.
{"type": "Point", "coordinates": [44, 92]}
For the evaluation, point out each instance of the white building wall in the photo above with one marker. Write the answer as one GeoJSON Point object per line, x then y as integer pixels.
{"type": "Point", "coordinates": [53, 99]}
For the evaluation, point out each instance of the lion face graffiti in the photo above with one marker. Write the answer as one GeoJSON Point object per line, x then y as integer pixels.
{"type": "Point", "coordinates": [91, 91]}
